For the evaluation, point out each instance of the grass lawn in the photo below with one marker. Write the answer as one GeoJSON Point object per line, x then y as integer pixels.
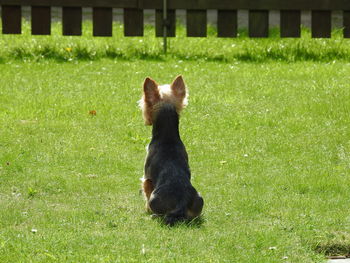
{"type": "Point", "coordinates": [268, 142]}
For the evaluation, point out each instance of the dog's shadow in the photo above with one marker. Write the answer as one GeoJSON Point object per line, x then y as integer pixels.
{"type": "Point", "coordinates": [194, 223]}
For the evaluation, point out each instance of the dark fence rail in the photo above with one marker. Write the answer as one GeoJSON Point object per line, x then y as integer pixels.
{"type": "Point", "coordinates": [196, 16]}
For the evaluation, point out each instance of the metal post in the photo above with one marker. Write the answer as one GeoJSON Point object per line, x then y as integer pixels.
{"type": "Point", "coordinates": [165, 26]}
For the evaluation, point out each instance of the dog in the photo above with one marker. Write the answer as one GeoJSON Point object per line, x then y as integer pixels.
{"type": "Point", "coordinates": [166, 183]}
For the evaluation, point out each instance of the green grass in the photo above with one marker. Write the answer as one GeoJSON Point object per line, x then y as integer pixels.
{"type": "Point", "coordinates": [63, 48]}
{"type": "Point", "coordinates": [269, 148]}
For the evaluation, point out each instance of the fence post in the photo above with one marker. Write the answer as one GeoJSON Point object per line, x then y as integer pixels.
{"type": "Point", "coordinates": [165, 26]}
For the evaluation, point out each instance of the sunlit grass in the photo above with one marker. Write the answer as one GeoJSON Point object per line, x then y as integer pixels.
{"type": "Point", "coordinates": [268, 143]}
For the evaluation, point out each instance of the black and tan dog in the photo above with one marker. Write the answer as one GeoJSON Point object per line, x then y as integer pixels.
{"type": "Point", "coordinates": [166, 183]}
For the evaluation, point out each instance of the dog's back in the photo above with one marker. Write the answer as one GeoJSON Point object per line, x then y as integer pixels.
{"type": "Point", "coordinates": [167, 173]}
{"type": "Point", "coordinates": [167, 167]}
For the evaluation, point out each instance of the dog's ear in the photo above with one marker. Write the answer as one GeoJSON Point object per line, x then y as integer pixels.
{"type": "Point", "coordinates": [178, 88]}
{"type": "Point", "coordinates": [151, 92]}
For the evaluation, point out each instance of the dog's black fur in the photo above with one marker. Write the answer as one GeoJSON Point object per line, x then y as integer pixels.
{"type": "Point", "coordinates": [168, 169]}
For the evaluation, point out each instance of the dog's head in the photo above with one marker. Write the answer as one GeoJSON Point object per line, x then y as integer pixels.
{"type": "Point", "coordinates": [154, 96]}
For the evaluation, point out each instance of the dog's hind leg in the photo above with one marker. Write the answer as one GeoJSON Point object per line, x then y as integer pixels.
{"type": "Point", "coordinates": [148, 188]}
{"type": "Point", "coordinates": [196, 206]}
{"type": "Point", "coordinates": [167, 206]}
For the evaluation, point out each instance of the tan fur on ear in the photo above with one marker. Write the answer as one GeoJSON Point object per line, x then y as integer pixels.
{"type": "Point", "coordinates": [150, 98]}
{"type": "Point", "coordinates": [178, 87]}
{"type": "Point", "coordinates": [150, 90]}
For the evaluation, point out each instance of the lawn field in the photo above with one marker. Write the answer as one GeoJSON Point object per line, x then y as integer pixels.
{"type": "Point", "coordinates": [268, 142]}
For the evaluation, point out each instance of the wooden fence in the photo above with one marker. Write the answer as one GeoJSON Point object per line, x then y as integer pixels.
{"type": "Point", "coordinates": [196, 16]}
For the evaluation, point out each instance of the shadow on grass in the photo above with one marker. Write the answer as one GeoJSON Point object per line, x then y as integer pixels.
{"type": "Point", "coordinates": [244, 56]}
{"type": "Point", "coordinates": [79, 54]}
{"type": "Point", "coordinates": [334, 249]}
{"type": "Point", "coordinates": [194, 223]}
{"type": "Point", "coordinates": [86, 48]}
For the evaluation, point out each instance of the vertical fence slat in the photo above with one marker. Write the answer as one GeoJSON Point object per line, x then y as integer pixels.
{"type": "Point", "coordinates": [321, 23]}
{"type": "Point", "coordinates": [71, 21]}
{"type": "Point", "coordinates": [171, 23]}
{"type": "Point", "coordinates": [258, 23]}
{"type": "Point", "coordinates": [102, 21]}
{"type": "Point", "coordinates": [196, 23]}
{"type": "Point", "coordinates": [227, 23]}
{"type": "Point", "coordinates": [346, 23]}
{"type": "Point", "coordinates": [41, 20]}
{"type": "Point", "coordinates": [290, 23]}
{"type": "Point", "coordinates": [133, 22]}
{"type": "Point", "coordinates": [11, 19]}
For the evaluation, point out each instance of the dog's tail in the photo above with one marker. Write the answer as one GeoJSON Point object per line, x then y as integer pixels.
{"type": "Point", "coordinates": [176, 215]}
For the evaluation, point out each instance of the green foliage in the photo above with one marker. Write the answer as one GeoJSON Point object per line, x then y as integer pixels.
{"type": "Point", "coordinates": [62, 48]}
{"type": "Point", "coordinates": [31, 192]}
